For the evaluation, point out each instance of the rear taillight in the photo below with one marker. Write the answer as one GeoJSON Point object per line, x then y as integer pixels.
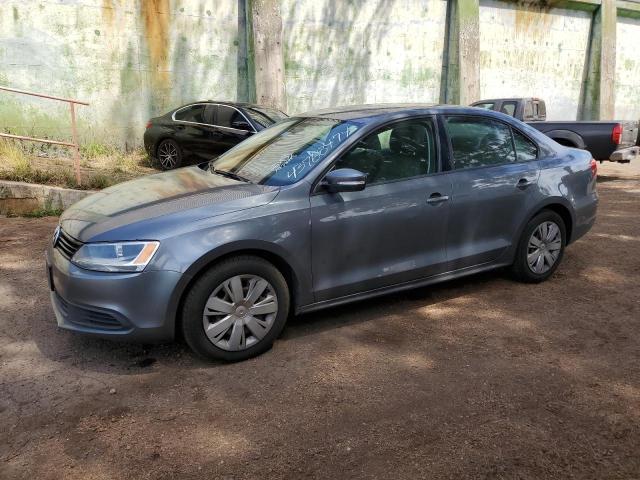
{"type": "Point", "coordinates": [148, 124]}
{"type": "Point", "coordinates": [594, 168]}
{"type": "Point", "coordinates": [616, 134]}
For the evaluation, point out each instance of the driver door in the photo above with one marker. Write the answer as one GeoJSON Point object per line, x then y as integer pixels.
{"type": "Point", "coordinates": [394, 230]}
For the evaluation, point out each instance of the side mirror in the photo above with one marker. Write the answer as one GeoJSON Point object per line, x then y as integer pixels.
{"type": "Point", "coordinates": [344, 180]}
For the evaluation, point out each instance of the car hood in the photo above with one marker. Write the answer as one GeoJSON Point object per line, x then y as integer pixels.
{"type": "Point", "coordinates": [193, 190]}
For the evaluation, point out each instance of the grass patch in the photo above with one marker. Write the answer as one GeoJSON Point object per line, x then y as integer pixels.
{"type": "Point", "coordinates": [41, 212]}
{"type": "Point", "coordinates": [101, 166]}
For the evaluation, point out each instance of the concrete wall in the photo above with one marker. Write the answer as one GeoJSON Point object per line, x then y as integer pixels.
{"type": "Point", "coordinates": [528, 51]}
{"type": "Point", "coordinates": [627, 104]}
{"type": "Point", "coordinates": [339, 52]}
{"type": "Point", "coordinates": [132, 59]}
{"type": "Point", "coordinates": [129, 59]}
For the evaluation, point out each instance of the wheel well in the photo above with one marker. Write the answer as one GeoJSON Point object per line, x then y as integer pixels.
{"type": "Point", "coordinates": [277, 261]}
{"type": "Point", "coordinates": [564, 214]}
{"type": "Point", "coordinates": [565, 142]}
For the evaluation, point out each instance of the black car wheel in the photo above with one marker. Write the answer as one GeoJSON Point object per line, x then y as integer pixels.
{"type": "Point", "coordinates": [169, 154]}
{"type": "Point", "coordinates": [540, 248]}
{"type": "Point", "coordinates": [236, 309]}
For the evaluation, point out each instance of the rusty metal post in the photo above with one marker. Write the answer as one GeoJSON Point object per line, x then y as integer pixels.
{"type": "Point", "coordinates": [76, 144]}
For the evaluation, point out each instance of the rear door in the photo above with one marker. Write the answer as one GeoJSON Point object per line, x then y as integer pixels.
{"type": "Point", "coordinates": [494, 177]}
{"type": "Point", "coordinates": [394, 230]}
{"type": "Point", "coordinates": [191, 131]}
{"type": "Point", "coordinates": [232, 127]}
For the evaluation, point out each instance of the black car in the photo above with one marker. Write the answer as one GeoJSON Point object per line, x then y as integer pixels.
{"type": "Point", "coordinates": [204, 130]}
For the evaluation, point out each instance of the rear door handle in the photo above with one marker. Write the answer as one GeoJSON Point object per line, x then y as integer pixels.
{"type": "Point", "coordinates": [436, 198]}
{"type": "Point", "coordinates": [524, 183]}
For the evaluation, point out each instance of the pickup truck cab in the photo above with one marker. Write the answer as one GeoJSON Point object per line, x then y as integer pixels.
{"type": "Point", "coordinates": [616, 141]}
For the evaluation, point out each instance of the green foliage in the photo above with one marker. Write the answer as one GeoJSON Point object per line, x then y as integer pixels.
{"type": "Point", "coordinates": [93, 150]}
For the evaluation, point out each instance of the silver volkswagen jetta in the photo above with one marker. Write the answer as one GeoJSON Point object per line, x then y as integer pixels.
{"type": "Point", "coordinates": [318, 210]}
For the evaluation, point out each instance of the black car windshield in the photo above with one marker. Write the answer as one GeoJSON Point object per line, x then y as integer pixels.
{"type": "Point", "coordinates": [265, 116]}
{"type": "Point", "coordinates": [286, 152]}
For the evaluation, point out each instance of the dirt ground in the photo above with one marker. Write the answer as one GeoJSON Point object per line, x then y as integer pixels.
{"type": "Point", "coordinates": [476, 378]}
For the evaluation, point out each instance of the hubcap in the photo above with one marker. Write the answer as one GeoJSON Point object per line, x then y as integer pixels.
{"type": "Point", "coordinates": [240, 312]}
{"type": "Point", "coordinates": [544, 247]}
{"type": "Point", "coordinates": [168, 155]}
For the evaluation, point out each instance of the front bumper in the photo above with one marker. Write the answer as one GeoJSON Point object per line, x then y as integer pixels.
{"type": "Point", "coordinates": [135, 306]}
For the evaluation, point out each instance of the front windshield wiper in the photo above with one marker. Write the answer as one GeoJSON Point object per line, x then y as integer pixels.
{"type": "Point", "coordinates": [227, 174]}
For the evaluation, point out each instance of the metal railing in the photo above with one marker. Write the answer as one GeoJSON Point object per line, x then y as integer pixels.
{"type": "Point", "coordinates": [74, 130]}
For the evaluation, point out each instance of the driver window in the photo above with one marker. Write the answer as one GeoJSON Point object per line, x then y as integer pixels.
{"type": "Point", "coordinates": [399, 151]}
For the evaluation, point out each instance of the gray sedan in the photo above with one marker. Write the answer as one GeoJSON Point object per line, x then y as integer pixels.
{"type": "Point", "coordinates": [318, 210]}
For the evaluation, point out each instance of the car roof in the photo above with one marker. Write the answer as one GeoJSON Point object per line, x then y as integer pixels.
{"type": "Point", "coordinates": [231, 104]}
{"type": "Point", "coordinates": [384, 111]}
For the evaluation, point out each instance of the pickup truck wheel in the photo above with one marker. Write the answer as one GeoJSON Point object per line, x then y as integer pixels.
{"type": "Point", "coordinates": [540, 248]}
{"type": "Point", "coordinates": [236, 309]}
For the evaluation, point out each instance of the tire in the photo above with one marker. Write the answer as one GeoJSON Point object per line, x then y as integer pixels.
{"type": "Point", "coordinates": [169, 154]}
{"type": "Point", "coordinates": [225, 317]}
{"type": "Point", "coordinates": [521, 268]}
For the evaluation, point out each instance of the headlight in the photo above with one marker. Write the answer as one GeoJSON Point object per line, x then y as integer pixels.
{"type": "Point", "coordinates": [115, 257]}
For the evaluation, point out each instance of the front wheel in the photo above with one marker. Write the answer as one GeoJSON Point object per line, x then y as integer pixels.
{"type": "Point", "coordinates": [236, 309]}
{"type": "Point", "coordinates": [541, 248]}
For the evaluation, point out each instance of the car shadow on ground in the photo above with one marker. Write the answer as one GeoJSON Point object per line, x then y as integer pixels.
{"type": "Point", "coordinates": [125, 358]}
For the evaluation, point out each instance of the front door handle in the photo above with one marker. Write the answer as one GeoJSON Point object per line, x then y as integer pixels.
{"type": "Point", "coordinates": [524, 183]}
{"type": "Point", "coordinates": [436, 198]}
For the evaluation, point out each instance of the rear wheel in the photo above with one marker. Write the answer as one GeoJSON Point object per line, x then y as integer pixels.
{"type": "Point", "coordinates": [236, 310]}
{"type": "Point", "coordinates": [169, 154]}
{"type": "Point", "coordinates": [541, 248]}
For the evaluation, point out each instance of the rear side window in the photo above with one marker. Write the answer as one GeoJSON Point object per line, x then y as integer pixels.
{"type": "Point", "coordinates": [231, 118]}
{"type": "Point", "coordinates": [509, 108]}
{"type": "Point", "coordinates": [528, 110]}
{"type": "Point", "coordinates": [479, 142]}
{"type": "Point", "coordinates": [192, 113]}
{"type": "Point", "coordinates": [525, 148]}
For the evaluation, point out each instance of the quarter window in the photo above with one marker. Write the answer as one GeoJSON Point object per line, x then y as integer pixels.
{"type": "Point", "coordinates": [525, 148]}
{"type": "Point", "coordinates": [192, 113]}
{"type": "Point", "coordinates": [479, 142]}
{"type": "Point", "coordinates": [403, 150]}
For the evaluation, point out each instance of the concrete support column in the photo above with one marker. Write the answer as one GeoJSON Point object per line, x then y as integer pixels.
{"type": "Point", "coordinates": [597, 100]}
{"type": "Point", "coordinates": [265, 52]}
{"type": "Point", "coordinates": [461, 65]}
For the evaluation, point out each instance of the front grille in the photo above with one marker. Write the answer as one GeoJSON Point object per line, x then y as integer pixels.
{"type": "Point", "coordinates": [85, 317]}
{"type": "Point", "coordinates": [67, 245]}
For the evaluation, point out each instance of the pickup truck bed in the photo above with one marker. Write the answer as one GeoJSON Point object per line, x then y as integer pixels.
{"type": "Point", "coordinates": [596, 137]}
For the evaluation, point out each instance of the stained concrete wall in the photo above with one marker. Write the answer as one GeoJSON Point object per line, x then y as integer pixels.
{"type": "Point", "coordinates": [627, 104]}
{"type": "Point", "coordinates": [129, 59]}
{"type": "Point", "coordinates": [132, 59]}
{"type": "Point", "coordinates": [528, 51]}
{"type": "Point", "coordinates": [339, 52]}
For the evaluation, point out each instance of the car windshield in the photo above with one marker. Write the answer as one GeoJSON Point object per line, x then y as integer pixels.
{"type": "Point", "coordinates": [265, 116]}
{"type": "Point", "coordinates": [286, 152]}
